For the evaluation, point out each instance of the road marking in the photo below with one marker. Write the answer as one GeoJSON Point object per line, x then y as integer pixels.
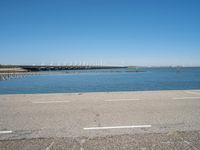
{"type": "Point", "coordinates": [117, 127]}
{"type": "Point", "coordinates": [191, 92]}
{"type": "Point", "coordinates": [186, 98]}
{"type": "Point", "coordinates": [48, 102]}
{"type": "Point", "coordinates": [117, 100]}
{"type": "Point", "coordinates": [5, 132]}
{"type": "Point", "coordinates": [50, 146]}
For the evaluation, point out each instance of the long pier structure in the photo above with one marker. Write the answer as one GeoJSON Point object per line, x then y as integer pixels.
{"type": "Point", "coordinates": [64, 67]}
{"type": "Point", "coordinates": [15, 71]}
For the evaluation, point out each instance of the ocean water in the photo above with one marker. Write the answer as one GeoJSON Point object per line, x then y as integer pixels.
{"type": "Point", "coordinates": [105, 81]}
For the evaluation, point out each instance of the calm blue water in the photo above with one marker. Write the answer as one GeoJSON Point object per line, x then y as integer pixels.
{"type": "Point", "coordinates": [106, 81]}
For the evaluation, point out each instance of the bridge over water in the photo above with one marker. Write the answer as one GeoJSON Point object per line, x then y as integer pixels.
{"type": "Point", "coordinates": [65, 67]}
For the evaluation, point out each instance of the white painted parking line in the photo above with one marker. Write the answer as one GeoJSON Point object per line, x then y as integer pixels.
{"type": "Point", "coordinates": [186, 98]}
{"type": "Point", "coordinates": [5, 132]}
{"type": "Point", "coordinates": [117, 127]}
{"type": "Point", "coordinates": [117, 100]}
{"type": "Point", "coordinates": [48, 102]}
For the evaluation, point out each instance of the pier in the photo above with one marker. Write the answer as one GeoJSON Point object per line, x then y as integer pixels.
{"type": "Point", "coordinates": [64, 67]}
{"type": "Point", "coordinates": [16, 71]}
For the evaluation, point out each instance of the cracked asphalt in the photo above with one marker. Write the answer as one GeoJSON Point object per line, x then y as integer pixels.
{"type": "Point", "coordinates": [189, 140]}
{"type": "Point", "coordinates": [101, 121]}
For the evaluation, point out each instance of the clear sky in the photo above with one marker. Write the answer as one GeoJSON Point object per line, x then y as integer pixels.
{"type": "Point", "coordinates": [116, 32]}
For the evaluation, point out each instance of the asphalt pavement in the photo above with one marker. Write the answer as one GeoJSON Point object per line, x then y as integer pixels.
{"type": "Point", "coordinates": [112, 120]}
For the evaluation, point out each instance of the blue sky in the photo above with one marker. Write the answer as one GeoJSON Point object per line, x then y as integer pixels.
{"type": "Point", "coordinates": [116, 32]}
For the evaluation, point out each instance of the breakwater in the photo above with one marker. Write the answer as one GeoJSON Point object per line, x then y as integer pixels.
{"type": "Point", "coordinates": [14, 75]}
{"type": "Point", "coordinates": [14, 71]}
{"type": "Point", "coordinates": [67, 67]}
{"type": "Point", "coordinates": [8, 76]}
